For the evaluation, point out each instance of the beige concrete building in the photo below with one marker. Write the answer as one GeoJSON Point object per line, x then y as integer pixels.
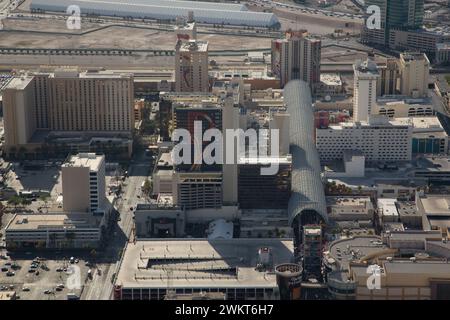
{"type": "Point", "coordinates": [405, 279]}
{"type": "Point", "coordinates": [90, 101]}
{"type": "Point", "coordinates": [191, 66]}
{"type": "Point", "coordinates": [83, 183]}
{"type": "Point", "coordinates": [297, 57]}
{"type": "Point", "coordinates": [389, 76]}
{"type": "Point", "coordinates": [67, 101]}
{"type": "Point", "coordinates": [414, 73]}
{"type": "Point", "coordinates": [18, 112]}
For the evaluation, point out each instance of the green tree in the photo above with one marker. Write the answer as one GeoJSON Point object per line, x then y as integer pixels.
{"type": "Point", "coordinates": [147, 188]}
{"type": "Point", "coordinates": [15, 201]}
{"type": "Point", "coordinates": [44, 198]}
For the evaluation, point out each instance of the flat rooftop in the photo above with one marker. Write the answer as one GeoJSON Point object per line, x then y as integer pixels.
{"type": "Point", "coordinates": [200, 263]}
{"type": "Point", "coordinates": [331, 79]}
{"type": "Point", "coordinates": [193, 46]}
{"type": "Point", "coordinates": [340, 201]}
{"type": "Point", "coordinates": [407, 208]}
{"type": "Point", "coordinates": [436, 205]}
{"type": "Point", "coordinates": [19, 83]}
{"type": "Point", "coordinates": [85, 160]}
{"type": "Point", "coordinates": [347, 250]}
{"type": "Point", "coordinates": [29, 222]}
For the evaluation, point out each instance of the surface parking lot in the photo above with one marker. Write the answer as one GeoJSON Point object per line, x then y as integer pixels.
{"type": "Point", "coordinates": [50, 280]}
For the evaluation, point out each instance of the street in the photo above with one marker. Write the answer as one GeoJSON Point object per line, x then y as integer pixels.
{"type": "Point", "coordinates": [101, 286]}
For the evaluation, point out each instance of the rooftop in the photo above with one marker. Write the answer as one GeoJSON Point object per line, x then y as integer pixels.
{"type": "Point", "coordinates": [436, 205]}
{"type": "Point", "coordinates": [366, 67]}
{"type": "Point", "coordinates": [331, 79]}
{"type": "Point", "coordinates": [86, 160]}
{"type": "Point", "coordinates": [387, 207]}
{"type": "Point", "coordinates": [19, 83]}
{"type": "Point", "coordinates": [348, 201]}
{"type": "Point", "coordinates": [407, 208]}
{"type": "Point", "coordinates": [199, 263]}
{"type": "Point", "coordinates": [193, 46]}
{"type": "Point", "coordinates": [347, 250]}
{"type": "Point", "coordinates": [25, 222]}
{"type": "Point", "coordinates": [413, 56]}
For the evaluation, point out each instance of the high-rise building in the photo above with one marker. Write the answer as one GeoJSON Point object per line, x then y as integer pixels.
{"type": "Point", "coordinates": [389, 75]}
{"type": "Point", "coordinates": [83, 183]}
{"type": "Point", "coordinates": [405, 14]}
{"type": "Point", "coordinates": [67, 101]}
{"type": "Point", "coordinates": [394, 14]}
{"type": "Point", "coordinates": [19, 114]}
{"type": "Point", "coordinates": [365, 89]}
{"type": "Point", "coordinates": [273, 191]}
{"type": "Point", "coordinates": [191, 66]}
{"type": "Point", "coordinates": [414, 73]}
{"type": "Point", "coordinates": [377, 36]}
{"type": "Point", "coordinates": [297, 57]}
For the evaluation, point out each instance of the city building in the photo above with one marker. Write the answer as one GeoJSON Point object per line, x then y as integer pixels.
{"type": "Point", "coordinates": [409, 215]}
{"type": "Point", "coordinates": [191, 66]}
{"type": "Point", "coordinates": [421, 40]}
{"type": "Point", "coordinates": [394, 15]}
{"type": "Point", "coordinates": [160, 220]}
{"type": "Point", "coordinates": [42, 112]}
{"type": "Point", "coordinates": [397, 106]}
{"type": "Point", "coordinates": [345, 208]}
{"type": "Point", "coordinates": [240, 268]}
{"type": "Point", "coordinates": [297, 56]}
{"type": "Point", "coordinates": [204, 12]}
{"type": "Point", "coordinates": [435, 211]}
{"type": "Point", "coordinates": [312, 250]}
{"type": "Point", "coordinates": [365, 89]}
{"type": "Point", "coordinates": [83, 183]}
{"type": "Point", "coordinates": [330, 85]}
{"type": "Point", "coordinates": [388, 79]}
{"type": "Point", "coordinates": [428, 137]}
{"type": "Point", "coordinates": [387, 210]}
{"type": "Point", "coordinates": [414, 74]}
{"type": "Point", "coordinates": [198, 190]}
{"type": "Point", "coordinates": [257, 191]}
{"type": "Point", "coordinates": [380, 139]}
{"type": "Point", "coordinates": [54, 230]}
{"type": "Point", "coordinates": [19, 113]}
{"type": "Point", "coordinates": [443, 53]}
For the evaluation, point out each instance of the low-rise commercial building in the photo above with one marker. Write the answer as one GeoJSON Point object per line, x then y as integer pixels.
{"type": "Point", "coordinates": [150, 269]}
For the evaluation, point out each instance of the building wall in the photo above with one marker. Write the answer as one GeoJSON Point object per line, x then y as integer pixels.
{"type": "Point", "coordinates": [75, 187]}
{"type": "Point", "coordinates": [91, 104]}
{"type": "Point", "coordinates": [297, 58]}
{"type": "Point", "coordinates": [415, 75]}
{"type": "Point", "coordinates": [191, 71]}
{"type": "Point", "coordinates": [388, 80]}
{"type": "Point", "coordinates": [18, 115]}
{"type": "Point", "coordinates": [376, 143]}
{"type": "Point", "coordinates": [364, 97]}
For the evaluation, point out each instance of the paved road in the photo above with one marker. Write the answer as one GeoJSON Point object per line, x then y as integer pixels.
{"type": "Point", "coordinates": [100, 287]}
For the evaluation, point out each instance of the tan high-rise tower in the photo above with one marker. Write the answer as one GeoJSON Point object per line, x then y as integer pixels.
{"type": "Point", "coordinates": [191, 66]}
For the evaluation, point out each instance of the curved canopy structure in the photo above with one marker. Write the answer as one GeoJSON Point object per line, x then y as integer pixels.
{"type": "Point", "coordinates": [307, 203]}
{"type": "Point", "coordinates": [204, 12]}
